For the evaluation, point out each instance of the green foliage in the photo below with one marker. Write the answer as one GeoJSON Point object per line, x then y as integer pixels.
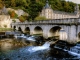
{"type": "Point", "coordinates": [33, 7]}
{"type": "Point", "coordinates": [40, 18]}
{"type": "Point", "coordinates": [13, 3]}
{"type": "Point", "coordinates": [14, 21]}
{"type": "Point", "coordinates": [1, 4]}
{"type": "Point", "coordinates": [5, 29]}
{"type": "Point", "coordinates": [12, 14]}
{"type": "Point", "coordinates": [22, 18]}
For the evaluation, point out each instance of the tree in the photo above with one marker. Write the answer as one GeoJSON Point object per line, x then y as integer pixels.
{"type": "Point", "coordinates": [34, 9]}
{"type": "Point", "coordinates": [13, 4]}
{"type": "Point", "coordinates": [66, 6]}
{"type": "Point", "coordinates": [1, 4]}
{"type": "Point", "coordinates": [22, 19]}
{"type": "Point", "coordinates": [13, 14]}
{"type": "Point", "coordinates": [21, 3]}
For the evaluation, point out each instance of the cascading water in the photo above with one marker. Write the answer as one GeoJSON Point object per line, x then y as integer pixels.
{"type": "Point", "coordinates": [75, 51]}
{"type": "Point", "coordinates": [42, 52]}
{"type": "Point", "coordinates": [37, 48]}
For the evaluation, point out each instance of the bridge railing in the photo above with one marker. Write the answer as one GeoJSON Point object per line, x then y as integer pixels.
{"type": "Point", "coordinates": [59, 21]}
{"type": "Point", "coordinates": [54, 21]}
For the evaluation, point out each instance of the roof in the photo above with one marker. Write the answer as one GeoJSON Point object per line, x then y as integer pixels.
{"type": "Point", "coordinates": [47, 5]}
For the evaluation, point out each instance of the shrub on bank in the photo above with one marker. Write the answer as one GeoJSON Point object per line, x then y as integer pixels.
{"type": "Point", "coordinates": [40, 18]}
{"type": "Point", "coordinates": [5, 29]}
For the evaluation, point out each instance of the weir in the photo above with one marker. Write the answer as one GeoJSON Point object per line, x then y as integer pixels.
{"type": "Point", "coordinates": [43, 52]}
{"type": "Point", "coordinates": [46, 45]}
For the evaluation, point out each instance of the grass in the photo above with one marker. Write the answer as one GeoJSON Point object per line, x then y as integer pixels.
{"type": "Point", "coordinates": [5, 29]}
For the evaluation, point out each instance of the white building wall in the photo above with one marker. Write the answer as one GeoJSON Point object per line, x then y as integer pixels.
{"type": "Point", "coordinates": [50, 14]}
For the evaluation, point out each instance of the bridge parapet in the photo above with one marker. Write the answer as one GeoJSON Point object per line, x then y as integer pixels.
{"type": "Point", "coordinates": [56, 21]}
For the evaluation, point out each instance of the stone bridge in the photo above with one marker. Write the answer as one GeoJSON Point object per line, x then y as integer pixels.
{"type": "Point", "coordinates": [67, 29]}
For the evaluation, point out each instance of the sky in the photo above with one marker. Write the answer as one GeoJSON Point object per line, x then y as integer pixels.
{"type": "Point", "coordinates": [75, 1]}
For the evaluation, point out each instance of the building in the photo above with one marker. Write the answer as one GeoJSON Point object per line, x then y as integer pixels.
{"type": "Point", "coordinates": [49, 13]}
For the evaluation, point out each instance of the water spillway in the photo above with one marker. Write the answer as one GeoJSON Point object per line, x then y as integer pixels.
{"type": "Point", "coordinates": [37, 48]}
{"type": "Point", "coordinates": [43, 52]}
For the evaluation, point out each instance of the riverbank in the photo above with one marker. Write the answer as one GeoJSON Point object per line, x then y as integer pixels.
{"type": "Point", "coordinates": [9, 44]}
{"type": "Point", "coordinates": [5, 29]}
{"type": "Point", "coordinates": [12, 49]}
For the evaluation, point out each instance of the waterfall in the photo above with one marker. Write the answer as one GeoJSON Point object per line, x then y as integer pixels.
{"type": "Point", "coordinates": [75, 51]}
{"type": "Point", "coordinates": [74, 54]}
{"type": "Point", "coordinates": [37, 48]}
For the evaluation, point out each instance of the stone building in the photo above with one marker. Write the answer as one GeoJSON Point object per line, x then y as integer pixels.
{"type": "Point", "coordinates": [49, 13]}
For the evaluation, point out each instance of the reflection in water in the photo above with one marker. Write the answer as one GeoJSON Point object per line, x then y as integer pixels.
{"type": "Point", "coordinates": [9, 44]}
{"type": "Point", "coordinates": [6, 46]}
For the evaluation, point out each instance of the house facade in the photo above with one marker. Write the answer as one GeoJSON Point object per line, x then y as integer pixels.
{"type": "Point", "coordinates": [49, 13]}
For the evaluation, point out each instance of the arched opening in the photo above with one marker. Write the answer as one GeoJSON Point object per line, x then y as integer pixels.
{"type": "Point", "coordinates": [19, 29]}
{"type": "Point", "coordinates": [54, 32]}
{"type": "Point", "coordinates": [79, 35]}
{"type": "Point", "coordinates": [58, 33]}
{"type": "Point", "coordinates": [38, 31]}
{"type": "Point", "coordinates": [14, 28]}
{"type": "Point", "coordinates": [27, 30]}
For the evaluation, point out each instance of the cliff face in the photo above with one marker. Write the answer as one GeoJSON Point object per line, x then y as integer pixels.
{"type": "Point", "coordinates": [5, 21]}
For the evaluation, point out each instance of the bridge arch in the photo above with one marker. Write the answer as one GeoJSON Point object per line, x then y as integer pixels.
{"type": "Point", "coordinates": [14, 28]}
{"type": "Point", "coordinates": [19, 29]}
{"type": "Point", "coordinates": [58, 32]}
{"type": "Point", "coordinates": [38, 30]}
{"type": "Point", "coordinates": [54, 31]}
{"type": "Point", "coordinates": [27, 30]}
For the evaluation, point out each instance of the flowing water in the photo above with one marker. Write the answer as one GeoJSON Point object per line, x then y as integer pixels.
{"type": "Point", "coordinates": [38, 48]}
{"type": "Point", "coordinates": [17, 51]}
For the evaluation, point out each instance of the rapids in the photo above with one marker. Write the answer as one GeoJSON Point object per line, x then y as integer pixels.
{"type": "Point", "coordinates": [37, 48]}
{"type": "Point", "coordinates": [43, 52]}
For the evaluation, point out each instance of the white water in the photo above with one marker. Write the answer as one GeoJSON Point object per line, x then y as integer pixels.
{"type": "Point", "coordinates": [74, 54]}
{"type": "Point", "coordinates": [18, 36]}
{"type": "Point", "coordinates": [32, 38]}
{"type": "Point", "coordinates": [37, 48]}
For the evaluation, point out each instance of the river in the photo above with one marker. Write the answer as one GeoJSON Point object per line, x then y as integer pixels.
{"type": "Point", "coordinates": [10, 49]}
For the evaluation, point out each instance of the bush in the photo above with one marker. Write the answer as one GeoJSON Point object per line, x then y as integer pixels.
{"type": "Point", "coordinates": [22, 19]}
{"type": "Point", "coordinates": [14, 21]}
{"type": "Point", "coordinates": [13, 14]}
{"type": "Point", "coordinates": [40, 18]}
